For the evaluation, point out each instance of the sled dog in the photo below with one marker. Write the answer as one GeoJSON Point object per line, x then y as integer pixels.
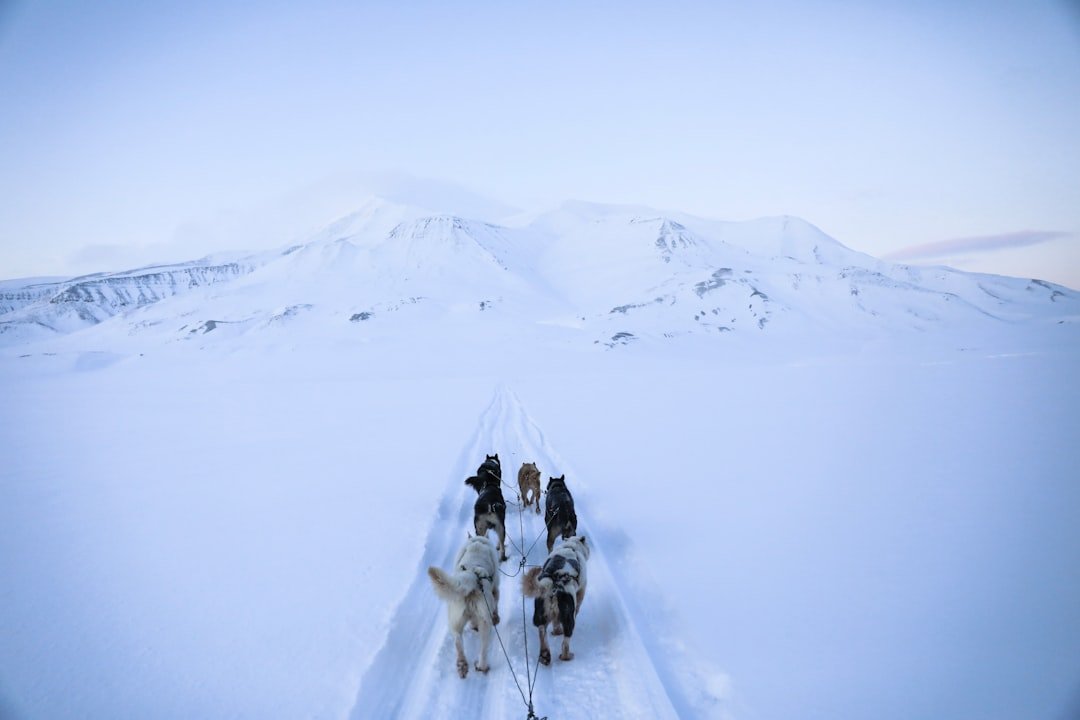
{"type": "Point", "coordinates": [470, 588]}
{"type": "Point", "coordinates": [489, 511]}
{"type": "Point", "coordinates": [529, 485]}
{"type": "Point", "coordinates": [559, 515]}
{"type": "Point", "coordinates": [559, 589]}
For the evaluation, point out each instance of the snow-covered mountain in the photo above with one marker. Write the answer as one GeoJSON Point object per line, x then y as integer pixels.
{"type": "Point", "coordinates": [608, 275]}
{"type": "Point", "coordinates": [36, 309]}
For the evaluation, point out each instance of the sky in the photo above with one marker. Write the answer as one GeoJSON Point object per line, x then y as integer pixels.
{"type": "Point", "coordinates": [923, 132]}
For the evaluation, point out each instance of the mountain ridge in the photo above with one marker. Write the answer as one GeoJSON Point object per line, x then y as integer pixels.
{"type": "Point", "coordinates": [622, 271]}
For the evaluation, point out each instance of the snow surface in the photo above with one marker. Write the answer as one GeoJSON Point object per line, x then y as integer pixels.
{"type": "Point", "coordinates": [220, 501]}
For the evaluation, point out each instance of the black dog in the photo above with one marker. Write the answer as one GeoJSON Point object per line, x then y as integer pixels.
{"type": "Point", "coordinates": [559, 515]}
{"type": "Point", "coordinates": [490, 508]}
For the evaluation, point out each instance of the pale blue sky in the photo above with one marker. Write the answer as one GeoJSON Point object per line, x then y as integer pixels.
{"type": "Point", "coordinates": [137, 131]}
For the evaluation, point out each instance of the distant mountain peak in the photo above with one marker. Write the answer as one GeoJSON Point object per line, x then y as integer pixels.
{"type": "Point", "coordinates": [672, 237]}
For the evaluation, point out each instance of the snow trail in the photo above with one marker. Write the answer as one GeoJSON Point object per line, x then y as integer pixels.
{"type": "Point", "coordinates": [612, 674]}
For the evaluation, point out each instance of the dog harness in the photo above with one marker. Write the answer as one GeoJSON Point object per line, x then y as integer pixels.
{"type": "Point", "coordinates": [561, 570]}
{"type": "Point", "coordinates": [490, 467]}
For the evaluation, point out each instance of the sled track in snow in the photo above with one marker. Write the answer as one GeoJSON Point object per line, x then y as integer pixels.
{"type": "Point", "coordinates": [612, 675]}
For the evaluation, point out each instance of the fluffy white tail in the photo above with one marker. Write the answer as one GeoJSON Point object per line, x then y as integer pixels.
{"type": "Point", "coordinates": [449, 587]}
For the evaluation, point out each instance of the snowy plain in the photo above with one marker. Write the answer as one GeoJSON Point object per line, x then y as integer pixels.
{"type": "Point", "coordinates": [220, 502]}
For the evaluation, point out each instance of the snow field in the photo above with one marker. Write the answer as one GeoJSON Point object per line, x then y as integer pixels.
{"type": "Point", "coordinates": [244, 534]}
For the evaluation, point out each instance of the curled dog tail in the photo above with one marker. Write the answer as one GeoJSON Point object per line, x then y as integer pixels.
{"type": "Point", "coordinates": [449, 587]}
{"type": "Point", "coordinates": [532, 585]}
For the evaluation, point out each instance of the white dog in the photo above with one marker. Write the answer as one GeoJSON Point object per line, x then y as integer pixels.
{"type": "Point", "coordinates": [470, 589]}
{"type": "Point", "coordinates": [559, 589]}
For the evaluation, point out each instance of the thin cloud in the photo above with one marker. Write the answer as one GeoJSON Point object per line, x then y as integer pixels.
{"type": "Point", "coordinates": [975, 245]}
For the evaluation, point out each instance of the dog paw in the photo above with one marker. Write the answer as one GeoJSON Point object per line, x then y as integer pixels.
{"type": "Point", "coordinates": [545, 657]}
{"type": "Point", "coordinates": [483, 669]}
{"type": "Point", "coordinates": [462, 668]}
{"type": "Point", "coordinates": [566, 655]}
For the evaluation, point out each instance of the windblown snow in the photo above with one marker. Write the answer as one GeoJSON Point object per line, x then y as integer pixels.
{"type": "Point", "coordinates": [816, 484]}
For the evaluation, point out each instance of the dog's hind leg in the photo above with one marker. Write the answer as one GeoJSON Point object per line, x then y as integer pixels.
{"type": "Point", "coordinates": [553, 532]}
{"type": "Point", "coordinates": [462, 663]}
{"type": "Point", "coordinates": [485, 638]}
{"type": "Point", "coordinates": [495, 606]}
{"type": "Point", "coordinates": [540, 621]}
{"type": "Point", "coordinates": [567, 613]}
{"type": "Point", "coordinates": [545, 651]}
{"type": "Point", "coordinates": [500, 529]}
{"type": "Point", "coordinates": [458, 620]}
{"type": "Point", "coordinates": [566, 654]}
{"type": "Point", "coordinates": [580, 599]}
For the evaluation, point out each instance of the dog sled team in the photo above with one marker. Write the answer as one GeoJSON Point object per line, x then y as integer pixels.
{"type": "Point", "coordinates": [471, 587]}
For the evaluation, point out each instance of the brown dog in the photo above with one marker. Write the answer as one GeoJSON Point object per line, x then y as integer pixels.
{"type": "Point", "coordinates": [529, 482]}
